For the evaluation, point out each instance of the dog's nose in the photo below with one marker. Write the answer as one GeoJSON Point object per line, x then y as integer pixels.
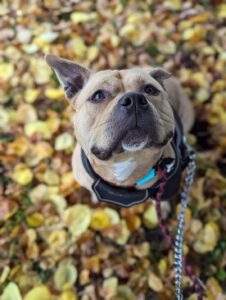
{"type": "Point", "coordinates": [126, 101]}
{"type": "Point", "coordinates": [132, 99]}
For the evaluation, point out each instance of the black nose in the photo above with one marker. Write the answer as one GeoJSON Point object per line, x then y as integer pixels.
{"type": "Point", "coordinates": [132, 99]}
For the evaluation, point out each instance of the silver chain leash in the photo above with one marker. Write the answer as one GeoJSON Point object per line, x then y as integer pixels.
{"type": "Point", "coordinates": [178, 247]}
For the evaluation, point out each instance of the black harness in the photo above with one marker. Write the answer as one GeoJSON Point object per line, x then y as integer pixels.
{"type": "Point", "coordinates": [129, 196]}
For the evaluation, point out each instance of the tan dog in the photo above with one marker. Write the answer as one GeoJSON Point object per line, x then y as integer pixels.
{"type": "Point", "coordinates": [123, 119]}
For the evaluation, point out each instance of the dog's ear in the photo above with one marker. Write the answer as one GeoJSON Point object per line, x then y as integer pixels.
{"type": "Point", "coordinates": [160, 74]}
{"type": "Point", "coordinates": [71, 76]}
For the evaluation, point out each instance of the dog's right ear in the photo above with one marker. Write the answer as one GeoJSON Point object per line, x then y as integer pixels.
{"type": "Point", "coordinates": [71, 76]}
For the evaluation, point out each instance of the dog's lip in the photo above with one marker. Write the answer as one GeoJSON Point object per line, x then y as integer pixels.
{"type": "Point", "coordinates": [168, 137]}
{"type": "Point", "coordinates": [135, 147]}
{"type": "Point", "coordinates": [145, 141]}
{"type": "Point", "coordinates": [134, 139]}
{"type": "Point", "coordinates": [105, 154]}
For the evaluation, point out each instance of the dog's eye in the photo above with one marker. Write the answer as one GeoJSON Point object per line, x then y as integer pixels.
{"type": "Point", "coordinates": [98, 96]}
{"type": "Point", "coordinates": [151, 90]}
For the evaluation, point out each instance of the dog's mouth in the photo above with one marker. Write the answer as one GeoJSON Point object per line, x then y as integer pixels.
{"type": "Point", "coordinates": [134, 140]}
{"type": "Point", "coordinates": [138, 139]}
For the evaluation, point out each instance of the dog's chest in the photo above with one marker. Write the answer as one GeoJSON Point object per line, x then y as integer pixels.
{"type": "Point", "coordinates": [123, 169]}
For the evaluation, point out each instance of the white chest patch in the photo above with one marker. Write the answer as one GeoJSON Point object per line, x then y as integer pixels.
{"type": "Point", "coordinates": [122, 170]}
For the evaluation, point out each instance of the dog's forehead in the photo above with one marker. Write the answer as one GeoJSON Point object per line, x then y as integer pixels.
{"type": "Point", "coordinates": [135, 75]}
{"type": "Point", "coordinates": [105, 76]}
{"type": "Point", "coordinates": [116, 76]}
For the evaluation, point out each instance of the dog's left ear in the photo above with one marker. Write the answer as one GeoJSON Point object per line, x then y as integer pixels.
{"type": "Point", "coordinates": [72, 76]}
{"type": "Point", "coordinates": [160, 75]}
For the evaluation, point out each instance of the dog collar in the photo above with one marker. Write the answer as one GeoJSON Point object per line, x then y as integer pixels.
{"type": "Point", "coordinates": [146, 178]}
{"type": "Point", "coordinates": [129, 196]}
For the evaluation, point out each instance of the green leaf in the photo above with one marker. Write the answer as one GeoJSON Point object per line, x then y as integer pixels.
{"type": "Point", "coordinates": [123, 2]}
{"type": "Point", "coordinates": [26, 201]}
{"type": "Point", "coordinates": [221, 275]}
{"type": "Point", "coordinates": [20, 215]}
{"type": "Point", "coordinates": [45, 275]}
{"type": "Point", "coordinates": [152, 49]}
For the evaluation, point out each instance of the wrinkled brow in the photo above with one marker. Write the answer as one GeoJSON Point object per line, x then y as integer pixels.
{"type": "Point", "coordinates": [136, 81]}
{"type": "Point", "coordinates": [113, 85]}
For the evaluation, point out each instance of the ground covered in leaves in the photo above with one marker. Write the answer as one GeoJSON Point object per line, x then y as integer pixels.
{"type": "Point", "coordinates": [56, 245]}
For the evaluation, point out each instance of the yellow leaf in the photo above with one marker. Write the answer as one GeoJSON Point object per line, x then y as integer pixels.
{"type": "Point", "coordinates": [195, 34]}
{"type": "Point", "coordinates": [113, 215]}
{"type": "Point", "coordinates": [57, 238]}
{"type": "Point", "coordinates": [40, 70]}
{"type": "Point", "coordinates": [36, 219]}
{"type": "Point", "coordinates": [3, 9]}
{"type": "Point", "coordinates": [64, 141]}
{"type": "Point", "coordinates": [4, 117]}
{"type": "Point", "coordinates": [124, 293]}
{"type": "Point", "coordinates": [43, 150]}
{"type": "Point", "coordinates": [22, 174]}
{"type": "Point", "coordinates": [110, 286]}
{"type": "Point", "coordinates": [150, 217]}
{"type": "Point", "coordinates": [211, 233]}
{"type": "Point", "coordinates": [38, 193]}
{"type": "Point", "coordinates": [32, 251]}
{"type": "Point", "coordinates": [68, 181]}
{"type": "Point", "coordinates": [100, 220]}
{"type": "Point", "coordinates": [66, 274]}
{"type": "Point", "coordinates": [68, 295]}
{"type": "Point", "coordinates": [133, 222]}
{"type": "Point", "coordinates": [124, 233]}
{"type": "Point", "coordinates": [39, 293]}
{"type": "Point", "coordinates": [213, 289]}
{"type": "Point", "coordinates": [40, 127]}
{"type": "Point", "coordinates": [4, 274]}
{"type": "Point", "coordinates": [162, 266]}
{"type": "Point", "coordinates": [11, 292]}
{"type": "Point", "coordinates": [155, 283]}
{"type": "Point", "coordinates": [128, 30]}
{"type": "Point", "coordinates": [19, 146]}
{"type": "Point", "coordinates": [207, 238]}
{"type": "Point", "coordinates": [51, 178]}
{"type": "Point", "coordinates": [167, 47]}
{"type": "Point", "coordinates": [222, 10]}
{"type": "Point", "coordinates": [92, 53]}
{"type": "Point", "coordinates": [6, 71]}
{"type": "Point", "coordinates": [82, 17]}
{"type": "Point", "coordinates": [54, 94]}
{"type": "Point", "coordinates": [53, 124]}
{"type": "Point", "coordinates": [27, 113]}
{"type": "Point", "coordinates": [79, 47]}
{"type": "Point", "coordinates": [59, 201]}
{"type": "Point", "coordinates": [84, 277]}
{"type": "Point", "coordinates": [31, 235]}
{"type": "Point", "coordinates": [31, 95]}
{"type": "Point", "coordinates": [77, 218]}
{"type": "Point", "coordinates": [173, 4]}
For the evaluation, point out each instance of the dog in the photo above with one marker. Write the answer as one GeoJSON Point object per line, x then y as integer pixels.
{"type": "Point", "coordinates": [124, 124]}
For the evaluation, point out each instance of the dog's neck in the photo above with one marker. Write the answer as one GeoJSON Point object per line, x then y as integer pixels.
{"type": "Point", "coordinates": [127, 168]}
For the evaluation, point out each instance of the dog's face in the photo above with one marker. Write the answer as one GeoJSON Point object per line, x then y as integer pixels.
{"type": "Point", "coordinates": [117, 111]}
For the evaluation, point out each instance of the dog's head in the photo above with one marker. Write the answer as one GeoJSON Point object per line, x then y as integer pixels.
{"type": "Point", "coordinates": [116, 110]}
